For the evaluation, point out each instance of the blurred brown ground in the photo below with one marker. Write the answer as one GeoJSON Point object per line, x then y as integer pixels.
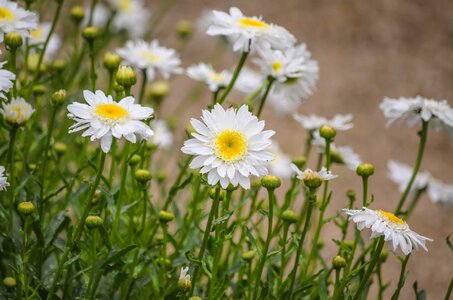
{"type": "Point", "coordinates": [366, 50]}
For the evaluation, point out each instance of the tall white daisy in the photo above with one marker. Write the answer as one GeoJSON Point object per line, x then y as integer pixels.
{"type": "Point", "coordinates": [395, 230]}
{"type": "Point", "coordinates": [6, 80]}
{"type": "Point", "coordinates": [248, 33]}
{"type": "Point", "coordinates": [14, 18]}
{"type": "Point", "coordinates": [132, 16]}
{"type": "Point", "coordinates": [39, 35]}
{"type": "Point", "coordinates": [229, 146]}
{"type": "Point", "coordinates": [281, 165]}
{"type": "Point", "coordinates": [401, 173]}
{"type": "Point", "coordinates": [3, 179]}
{"type": "Point", "coordinates": [206, 73]}
{"type": "Point", "coordinates": [103, 118]}
{"type": "Point", "coordinates": [413, 110]}
{"type": "Point", "coordinates": [17, 112]}
{"type": "Point", "coordinates": [163, 137]}
{"type": "Point", "coordinates": [313, 122]}
{"type": "Point", "coordinates": [151, 57]}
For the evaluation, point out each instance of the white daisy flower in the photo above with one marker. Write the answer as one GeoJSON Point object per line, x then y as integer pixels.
{"type": "Point", "coordinates": [249, 81]}
{"type": "Point", "coordinates": [184, 278]}
{"type": "Point", "coordinates": [17, 112]}
{"type": "Point", "coordinates": [3, 179]}
{"type": "Point", "coordinates": [413, 110]}
{"type": "Point", "coordinates": [207, 74]}
{"type": "Point", "coordinates": [229, 146]}
{"type": "Point", "coordinates": [281, 165]}
{"type": "Point", "coordinates": [101, 15]}
{"type": "Point", "coordinates": [248, 33]}
{"type": "Point", "coordinates": [204, 21]}
{"type": "Point", "coordinates": [151, 57]}
{"type": "Point", "coordinates": [163, 137]}
{"type": "Point", "coordinates": [345, 155]}
{"type": "Point", "coordinates": [104, 118]}
{"type": "Point", "coordinates": [38, 37]}
{"type": "Point", "coordinates": [132, 16]}
{"type": "Point", "coordinates": [314, 122]}
{"type": "Point", "coordinates": [14, 18]}
{"type": "Point", "coordinates": [401, 173]}
{"type": "Point", "coordinates": [394, 230]}
{"type": "Point", "coordinates": [440, 192]}
{"type": "Point", "coordinates": [309, 174]}
{"type": "Point", "coordinates": [6, 80]}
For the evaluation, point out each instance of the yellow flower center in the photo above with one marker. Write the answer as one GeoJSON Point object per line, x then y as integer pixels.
{"type": "Point", "coordinates": [125, 5]}
{"type": "Point", "coordinates": [391, 217]}
{"type": "Point", "coordinates": [111, 111]}
{"type": "Point", "coordinates": [6, 14]}
{"type": "Point", "coordinates": [37, 33]}
{"type": "Point", "coordinates": [150, 56]}
{"type": "Point", "coordinates": [276, 65]}
{"type": "Point", "coordinates": [216, 77]}
{"type": "Point", "coordinates": [230, 145]}
{"type": "Point", "coordinates": [249, 22]}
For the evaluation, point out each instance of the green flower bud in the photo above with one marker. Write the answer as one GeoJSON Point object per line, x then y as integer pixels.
{"type": "Point", "coordinates": [383, 256]}
{"type": "Point", "coordinates": [248, 255]}
{"type": "Point", "coordinates": [135, 159]}
{"type": "Point", "coordinates": [90, 33]}
{"type": "Point", "coordinates": [9, 282]}
{"type": "Point", "coordinates": [350, 193]}
{"type": "Point", "coordinates": [335, 157]}
{"type": "Point", "coordinates": [166, 216]}
{"type": "Point", "coordinates": [158, 90]}
{"type": "Point", "coordinates": [32, 167]}
{"type": "Point", "coordinates": [111, 61]}
{"type": "Point", "coordinates": [142, 175]}
{"type": "Point", "coordinates": [161, 176]}
{"type": "Point", "coordinates": [271, 182]}
{"type": "Point", "coordinates": [289, 216]}
{"type": "Point", "coordinates": [212, 194]}
{"type": "Point", "coordinates": [312, 182]}
{"type": "Point", "coordinates": [60, 148]}
{"type": "Point", "coordinates": [184, 29]}
{"type": "Point", "coordinates": [32, 65]}
{"type": "Point", "coordinates": [39, 90]}
{"type": "Point", "coordinates": [58, 65]}
{"type": "Point", "coordinates": [13, 40]}
{"type": "Point", "coordinates": [158, 238]}
{"type": "Point", "coordinates": [300, 161]}
{"type": "Point", "coordinates": [58, 97]}
{"type": "Point", "coordinates": [117, 87]}
{"type": "Point", "coordinates": [26, 208]}
{"type": "Point", "coordinates": [126, 76]}
{"type": "Point", "coordinates": [348, 244]}
{"type": "Point", "coordinates": [365, 170]}
{"type": "Point", "coordinates": [77, 14]}
{"type": "Point", "coordinates": [338, 262]}
{"type": "Point", "coordinates": [195, 298]}
{"type": "Point", "coordinates": [327, 132]}
{"type": "Point", "coordinates": [93, 222]}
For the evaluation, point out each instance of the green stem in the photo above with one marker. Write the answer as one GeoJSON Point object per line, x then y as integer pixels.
{"type": "Point", "coordinates": [143, 86]}
{"type": "Point", "coordinates": [308, 144]}
{"type": "Point", "coordinates": [421, 149]}
{"type": "Point", "coordinates": [93, 264]}
{"type": "Point", "coordinates": [25, 257]}
{"type": "Point", "coordinates": [93, 75]}
{"type": "Point", "coordinates": [92, 7]}
{"type": "Point", "coordinates": [270, 81]}
{"type": "Point", "coordinates": [337, 290]}
{"type": "Point", "coordinates": [414, 202]}
{"type": "Point", "coordinates": [11, 192]}
{"type": "Point", "coordinates": [373, 261]}
{"type": "Point", "coordinates": [13, 53]}
{"type": "Point", "coordinates": [402, 278]}
{"type": "Point", "coordinates": [449, 290]}
{"type": "Point", "coordinates": [122, 191]}
{"type": "Point", "coordinates": [174, 189]}
{"type": "Point", "coordinates": [237, 71]}
{"type": "Point", "coordinates": [145, 208]}
{"type": "Point", "coordinates": [250, 97]}
{"type": "Point", "coordinates": [283, 255]}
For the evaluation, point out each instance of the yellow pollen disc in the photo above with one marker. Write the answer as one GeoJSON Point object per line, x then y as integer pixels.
{"type": "Point", "coordinates": [6, 14]}
{"type": "Point", "coordinates": [249, 22]}
{"type": "Point", "coordinates": [276, 65]}
{"type": "Point", "coordinates": [125, 5]}
{"type": "Point", "coordinates": [150, 56]}
{"type": "Point", "coordinates": [37, 33]}
{"type": "Point", "coordinates": [391, 217]}
{"type": "Point", "coordinates": [230, 145]}
{"type": "Point", "coordinates": [217, 77]}
{"type": "Point", "coordinates": [111, 111]}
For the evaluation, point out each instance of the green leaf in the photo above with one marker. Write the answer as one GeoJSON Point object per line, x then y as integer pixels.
{"type": "Point", "coordinates": [117, 254]}
{"type": "Point", "coordinates": [253, 241]}
{"type": "Point", "coordinates": [222, 219]}
{"type": "Point", "coordinates": [58, 223]}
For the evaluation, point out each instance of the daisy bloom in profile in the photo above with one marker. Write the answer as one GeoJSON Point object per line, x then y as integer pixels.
{"type": "Point", "coordinates": [38, 37]}
{"type": "Point", "coordinates": [17, 112]}
{"type": "Point", "coordinates": [249, 33]}
{"type": "Point", "coordinates": [281, 165]}
{"type": "Point", "coordinates": [162, 137]}
{"type": "Point", "coordinates": [313, 122]}
{"type": "Point", "coordinates": [313, 179]}
{"type": "Point", "coordinates": [151, 57]}
{"type": "Point", "coordinates": [132, 16]}
{"type": "Point", "coordinates": [229, 146]}
{"type": "Point", "coordinates": [440, 192]}
{"type": "Point", "coordinates": [206, 74]}
{"type": "Point", "coordinates": [395, 230]}
{"type": "Point", "coordinates": [413, 110]}
{"type": "Point", "coordinates": [102, 118]}
{"type": "Point", "coordinates": [14, 18]}
{"type": "Point", "coordinates": [3, 180]}
{"type": "Point", "coordinates": [184, 281]}
{"type": "Point", "coordinates": [401, 173]}
{"type": "Point", "coordinates": [6, 80]}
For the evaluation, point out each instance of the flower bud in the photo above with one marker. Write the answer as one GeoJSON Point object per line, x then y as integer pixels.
{"type": "Point", "coordinates": [32, 167]}
{"type": "Point", "coordinates": [93, 222]}
{"type": "Point", "coordinates": [335, 157]}
{"type": "Point", "coordinates": [327, 132]}
{"type": "Point", "coordinates": [348, 244]}
{"type": "Point", "coordinates": [117, 87]}
{"type": "Point", "coordinates": [195, 298]}
{"type": "Point", "coordinates": [90, 33]}
{"type": "Point", "coordinates": [135, 159]}
{"type": "Point", "coordinates": [60, 148]}
{"type": "Point", "coordinates": [58, 65]}
{"type": "Point", "coordinates": [271, 182]}
{"type": "Point", "coordinates": [158, 238]}
{"type": "Point", "coordinates": [111, 61]}
{"type": "Point", "coordinates": [161, 176]}
{"type": "Point", "coordinates": [338, 262]}
{"type": "Point", "coordinates": [26, 208]}
{"type": "Point", "coordinates": [38, 90]}
{"type": "Point", "coordinates": [184, 29]}
{"type": "Point", "coordinates": [13, 40]}
{"type": "Point", "coordinates": [142, 175]}
{"type": "Point", "coordinates": [185, 285]}
{"type": "Point", "coordinates": [383, 256]}
{"type": "Point", "coordinates": [32, 65]}
{"type": "Point", "coordinates": [126, 76]}
{"type": "Point", "coordinates": [9, 282]}
{"type": "Point", "coordinates": [166, 216]}
{"type": "Point", "coordinates": [365, 170]}
{"type": "Point", "coordinates": [58, 97]}
{"type": "Point", "coordinates": [77, 14]}
{"type": "Point", "coordinates": [212, 192]}
{"type": "Point", "coordinates": [312, 182]}
{"type": "Point", "coordinates": [248, 255]}
{"type": "Point", "coordinates": [300, 161]}
{"type": "Point", "coordinates": [158, 90]}
{"type": "Point", "coordinates": [289, 216]}
{"type": "Point", "coordinates": [96, 197]}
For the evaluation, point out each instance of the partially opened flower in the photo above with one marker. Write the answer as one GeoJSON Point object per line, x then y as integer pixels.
{"type": "Point", "coordinates": [206, 73]}
{"type": "Point", "coordinates": [248, 33]}
{"type": "Point", "coordinates": [162, 137]}
{"type": "Point", "coordinates": [151, 57]}
{"type": "Point", "coordinates": [102, 118]}
{"type": "Point", "coordinates": [313, 122]}
{"type": "Point", "coordinates": [281, 164]}
{"type": "Point", "coordinates": [313, 179]}
{"type": "Point", "coordinates": [412, 110]}
{"type": "Point", "coordinates": [3, 179]}
{"type": "Point", "coordinates": [395, 230]}
{"type": "Point", "coordinates": [132, 16]}
{"type": "Point", "coordinates": [17, 112]}
{"type": "Point", "coordinates": [184, 281]}
{"type": "Point", "coordinates": [16, 19]}
{"type": "Point", "coordinates": [6, 80]}
{"type": "Point", "coordinates": [229, 146]}
{"type": "Point", "coordinates": [401, 173]}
